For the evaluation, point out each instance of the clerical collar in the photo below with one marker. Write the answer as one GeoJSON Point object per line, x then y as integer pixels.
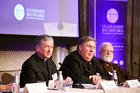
{"type": "Point", "coordinates": [89, 62]}
{"type": "Point", "coordinates": [45, 60]}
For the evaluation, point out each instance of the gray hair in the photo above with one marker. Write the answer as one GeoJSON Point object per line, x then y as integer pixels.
{"type": "Point", "coordinates": [84, 39]}
{"type": "Point", "coordinates": [41, 38]}
{"type": "Point", "coordinates": [103, 44]}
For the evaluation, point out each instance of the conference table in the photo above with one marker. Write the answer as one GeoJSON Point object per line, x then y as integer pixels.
{"type": "Point", "coordinates": [120, 89]}
{"type": "Point", "coordinates": [117, 90]}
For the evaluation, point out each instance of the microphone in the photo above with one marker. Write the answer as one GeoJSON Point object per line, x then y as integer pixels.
{"type": "Point", "coordinates": [78, 85]}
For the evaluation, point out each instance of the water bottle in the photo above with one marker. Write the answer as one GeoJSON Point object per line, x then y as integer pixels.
{"type": "Point", "coordinates": [60, 80]}
{"type": "Point", "coordinates": [15, 88]}
{"type": "Point", "coordinates": [114, 77]}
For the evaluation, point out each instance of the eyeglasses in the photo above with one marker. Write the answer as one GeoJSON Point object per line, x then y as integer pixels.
{"type": "Point", "coordinates": [111, 51]}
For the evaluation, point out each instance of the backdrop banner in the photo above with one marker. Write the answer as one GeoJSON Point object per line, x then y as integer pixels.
{"type": "Point", "coordinates": [108, 24]}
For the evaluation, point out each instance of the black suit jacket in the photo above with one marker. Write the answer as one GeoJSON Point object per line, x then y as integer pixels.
{"type": "Point", "coordinates": [36, 70]}
{"type": "Point", "coordinates": [78, 69]}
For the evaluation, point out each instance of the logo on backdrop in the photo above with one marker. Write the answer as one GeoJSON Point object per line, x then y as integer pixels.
{"type": "Point", "coordinates": [121, 62]}
{"type": "Point", "coordinates": [19, 12]}
{"type": "Point", "coordinates": [112, 15]}
{"type": "Point", "coordinates": [31, 13]}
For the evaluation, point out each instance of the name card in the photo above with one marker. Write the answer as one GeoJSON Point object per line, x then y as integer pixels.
{"type": "Point", "coordinates": [107, 85]}
{"type": "Point", "coordinates": [132, 83]}
{"type": "Point", "coordinates": [52, 84]}
{"type": "Point", "coordinates": [35, 88]}
{"type": "Point", "coordinates": [54, 76]}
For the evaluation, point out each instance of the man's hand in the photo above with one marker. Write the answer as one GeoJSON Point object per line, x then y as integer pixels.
{"type": "Point", "coordinates": [96, 79]}
{"type": "Point", "coordinates": [68, 80]}
{"type": "Point", "coordinates": [10, 87]}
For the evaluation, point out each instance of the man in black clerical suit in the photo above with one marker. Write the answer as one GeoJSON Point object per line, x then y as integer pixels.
{"type": "Point", "coordinates": [81, 65]}
{"type": "Point", "coordinates": [39, 67]}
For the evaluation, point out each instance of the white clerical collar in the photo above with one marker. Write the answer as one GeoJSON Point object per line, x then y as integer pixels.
{"type": "Point", "coordinates": [45, 60]}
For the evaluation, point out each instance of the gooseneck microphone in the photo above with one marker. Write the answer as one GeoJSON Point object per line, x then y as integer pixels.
{"type": "Point", "coordinates": [78, 85]}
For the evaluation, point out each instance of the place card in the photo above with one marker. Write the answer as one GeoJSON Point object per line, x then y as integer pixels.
{"type": "Point", "coordinates": [52, 84]}
{"type": "Point", "coordinates": [132, 83]}
{"type": "Point", "coordinates": [107, 85]}
{"type": "Point", "coordinates": [54, 76]}
{"type": "Point", "coordinates": [35, 88]}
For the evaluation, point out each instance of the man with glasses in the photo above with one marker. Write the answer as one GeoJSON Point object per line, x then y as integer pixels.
{"type": "Point", "coordinates": [106, 56]}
